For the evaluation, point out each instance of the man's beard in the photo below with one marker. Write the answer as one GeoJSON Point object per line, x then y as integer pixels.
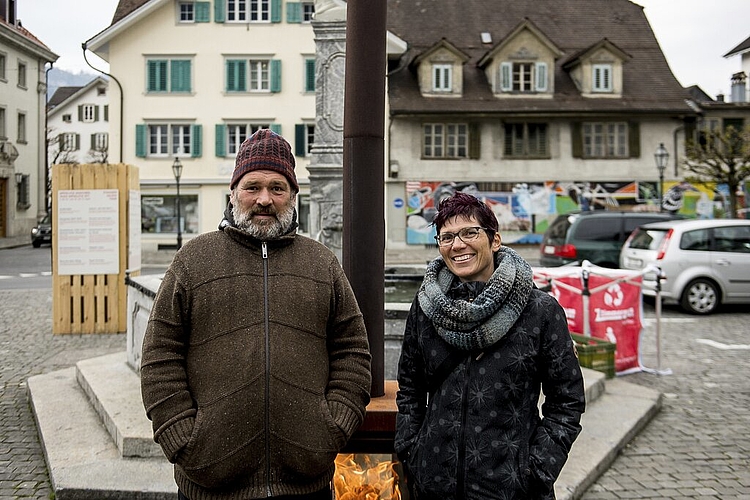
{"type": "Point", "coordinates": [267, 229]}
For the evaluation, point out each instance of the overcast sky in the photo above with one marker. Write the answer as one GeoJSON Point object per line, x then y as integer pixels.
{"type": "Point", "coordinates": [694, 34]}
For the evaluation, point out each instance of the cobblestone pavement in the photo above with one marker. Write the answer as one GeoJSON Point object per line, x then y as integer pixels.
{"type": "Point", "coordinates": [698, 446]}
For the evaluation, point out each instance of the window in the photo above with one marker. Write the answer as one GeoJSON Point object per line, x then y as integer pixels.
{"type": "Point", "coordinates": [159, 213]}
{"type": "Point", "coordinates": [248, 10]}
{"type": "Point", "coordinates": [526, 140]}
{"type": "Point", "coordinates": [22, 74]}
{"type": "Point", "coordinates": [237, 133]}
{"type": "Point", "coordinates": [88, 113]}
{"type": "Point", "coordinates": [100, 141]}
{"type": "Point", "coordinates": [442, 77]}
{"type": "Point", "coordinates": [523, 77]}
{"type": "Point", "coordinates": [67, 118]}
{"type": "Point", "coordinates": [3, 130]}
{"type": "Point", "coordinates": [23, 200]}
{"type": "Point", "coordinates": [69, 141]}
{"type": "Point", "coordinates": [21, 137]}
{"type": "Point", "coordinates": [168, 75]}
{"type": "Point", "coordinates": [308, 10]}
{"type": "Point", "coordinates": [254, 75]}
{"type": "Point", "coordinates": [303, 211]}
{"type": "Point", "coordinates": [3, 59]}
{"type": "Point", "coordinates": [101, 91]}
{"type": "Point", "coordinates": [299, 12]}
{"type": "Point", "coordinates": [602, 78]}
{"type": "Point", "coordinates": [304, 137]}
{"type": "Point", "coordinates": [187, 12]}
{"type": "Point", "coordinates": [168, 139]}
{"type": "Point", "coordinates": [446, 140]}
{"type": "Point", "coordinates": [732, 239]}
{"type": "Point", "coordinates": [605, 140]}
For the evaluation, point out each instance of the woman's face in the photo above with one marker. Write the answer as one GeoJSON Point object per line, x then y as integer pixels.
{"type": "Point", "coordinates": [469, 260]}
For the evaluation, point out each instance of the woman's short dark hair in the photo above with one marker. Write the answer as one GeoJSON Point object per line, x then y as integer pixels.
{"type": "Point", "coordinates": [469, 206]}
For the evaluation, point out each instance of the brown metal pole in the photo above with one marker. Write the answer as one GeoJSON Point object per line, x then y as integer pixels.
{"type": "Point", "coordinates": [364, 129]}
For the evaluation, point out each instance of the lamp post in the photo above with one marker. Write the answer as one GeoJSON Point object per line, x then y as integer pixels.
{"type": "Point", "coordinates": [661, 156]}
{"type": "Point", "coordinates": [177, 171]}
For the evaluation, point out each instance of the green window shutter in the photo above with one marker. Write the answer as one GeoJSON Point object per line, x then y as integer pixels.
{"type": "Point", "coordinates": [293, 12]}
{"type": "Point", "coordinates": [93, 142]}
{"type": "Point", "coordinates": [275, 128]}
{"type": "Point", "coordinates": [180, 75]}
{"type": "Point", "coordinates": [634, 140]}
{"type": "Point", "coordinates": [80, 112]}
{"type": "Point", "coordinates": [220, 141]}
{"type": "Point", "coordinates": [78, 142]}
{"type": "Point", "coordinates": [236, 76]}
{"type": "Point", "coordinates": [156, 76]}
{"type": "Point", "coordinates": [577, 136]}
{"type": "Point", "coordinates": [219, 11]}
{"type": "Point", "coordinates": [275, 75]}
{"type": "Point", "coordinates": [60, 142]}
{"type": "Point", "coordinates": [196, 141]}
{"type": "Point", "coordinates": [202, 12]}
{"type": "Point", "coordinates": [96, 113]}
{"type": "Point", "coordinates": [309, 75]}
{"type": "Point", "coordinates": [475, 143]}
{"type": "Point", "coordinates": [300, 131]}
{"type": "Point", "coordinates": [275, 11]}
{"type": "Point", "coordinates": [106, 112]}
{"type": "Point", "coordinates": [141, 132]}
{"type": "Point", "coordinates": [506, 76]}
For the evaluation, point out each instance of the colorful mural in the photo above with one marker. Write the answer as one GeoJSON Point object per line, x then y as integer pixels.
{"type": "Point", "coordinates": [526, 210]}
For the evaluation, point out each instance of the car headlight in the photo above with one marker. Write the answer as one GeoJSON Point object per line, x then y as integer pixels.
{"type": "Point", "coordinates": [34, 231]}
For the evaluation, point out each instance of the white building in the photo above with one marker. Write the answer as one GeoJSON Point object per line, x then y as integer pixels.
{"type": "Point", "coordinates": [23, 88]}
{"type": "Point", "coordinates": [78, 124]}
{"type": "Point", "coordinates": [192, 80]}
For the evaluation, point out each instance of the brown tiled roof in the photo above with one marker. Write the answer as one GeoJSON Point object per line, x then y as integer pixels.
{"type": "Point", "coordinates": [125, 7]}
{"type": "Point", "coordinates": [572, 25]}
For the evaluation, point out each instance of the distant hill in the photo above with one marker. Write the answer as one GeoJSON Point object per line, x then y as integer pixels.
{"type": "Point", "coordinates": [61, 78]}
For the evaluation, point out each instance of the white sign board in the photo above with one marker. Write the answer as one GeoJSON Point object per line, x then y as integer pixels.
{"type": "Point", "coordinates": [88, 232]}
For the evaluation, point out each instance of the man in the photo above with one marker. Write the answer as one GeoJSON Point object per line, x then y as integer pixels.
{"type": "Point", "coordinates": [256, 367]}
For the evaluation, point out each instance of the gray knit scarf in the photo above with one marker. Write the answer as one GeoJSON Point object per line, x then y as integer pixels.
{"type": "Point", "coordinates": [478, 324]}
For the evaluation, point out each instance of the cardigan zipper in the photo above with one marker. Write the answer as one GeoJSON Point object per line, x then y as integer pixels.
{"type": "Point", "coordinates": [264, 250]}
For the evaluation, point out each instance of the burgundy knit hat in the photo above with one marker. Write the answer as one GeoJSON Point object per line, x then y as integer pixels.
{"type": "Point", "coordinates": [265, 150]}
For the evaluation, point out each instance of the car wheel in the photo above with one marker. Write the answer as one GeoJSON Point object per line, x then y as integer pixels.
{"type": "Point", "coordinates": [701, 296]}
{"type": "Point", "coordinates": [36, 244]}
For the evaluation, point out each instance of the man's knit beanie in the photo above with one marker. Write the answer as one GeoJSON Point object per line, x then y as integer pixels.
{"type": "Point", "coordinates": [265, 150]}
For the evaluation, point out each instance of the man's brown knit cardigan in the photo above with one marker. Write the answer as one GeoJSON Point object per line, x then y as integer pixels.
{"type": "Point", "coordinates": [255, 371]}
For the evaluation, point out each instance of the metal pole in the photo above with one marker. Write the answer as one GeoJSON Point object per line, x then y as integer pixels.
{"type": "Point", "coordinates": [363, 175]}
{"type": "Point", "coordinates": [179, 216]}
{"type": "Point", "coordinates": [661, 189]}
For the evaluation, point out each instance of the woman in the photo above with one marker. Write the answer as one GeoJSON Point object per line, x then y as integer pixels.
{"type": "Point", "coordinates": [480, 342]}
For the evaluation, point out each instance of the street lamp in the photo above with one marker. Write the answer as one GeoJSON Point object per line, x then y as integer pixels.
{"type": "Point", "coordinates": [661, 156]}
{"type": "Point", "coordinates": [177, 171]}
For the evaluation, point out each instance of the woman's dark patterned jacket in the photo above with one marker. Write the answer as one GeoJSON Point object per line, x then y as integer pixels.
{"type": "Point", "coordinates": [481, 436]}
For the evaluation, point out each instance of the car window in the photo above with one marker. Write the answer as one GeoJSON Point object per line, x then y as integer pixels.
{"type": "Point", "coordinates": [558, 230]}
{"type": "Point", "coordinates": [599, 229]}
{"type": "Point", "coordinates": [695, 240]}
{"type": "Point", "coordinates": [647, 239]}
{"type": "Point", "coordinates": [732, 239]}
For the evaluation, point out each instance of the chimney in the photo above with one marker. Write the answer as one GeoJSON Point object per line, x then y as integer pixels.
{"type": "Point", "coordinates": [738, 86]}
{"type": "Point", "coordinates": [719, 97]}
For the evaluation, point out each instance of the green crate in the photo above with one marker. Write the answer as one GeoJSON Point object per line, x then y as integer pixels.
{"type": "Point", "coordinates": [595, 353]}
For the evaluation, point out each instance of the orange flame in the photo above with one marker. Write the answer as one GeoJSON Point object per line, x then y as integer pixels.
{"type": "Point", "coordinates": [356, 478]}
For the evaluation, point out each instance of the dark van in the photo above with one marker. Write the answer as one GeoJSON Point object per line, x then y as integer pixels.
{"type": "Point", "coordinates": [596, 236]}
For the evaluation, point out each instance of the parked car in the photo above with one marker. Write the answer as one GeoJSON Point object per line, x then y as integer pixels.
{"type": "Point", "coordinates": [42, 232]}
{"type": "Point", "coordinates": [596, 236]}
{"type": "Point", "coordinates": [706, 262]}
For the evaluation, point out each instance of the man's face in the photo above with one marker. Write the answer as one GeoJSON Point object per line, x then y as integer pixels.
{"type": "Point", "coordinates": [263, 204]}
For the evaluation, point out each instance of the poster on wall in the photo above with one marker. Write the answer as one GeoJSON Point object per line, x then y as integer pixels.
{"type": "Point", "coordinates": [88, 232]}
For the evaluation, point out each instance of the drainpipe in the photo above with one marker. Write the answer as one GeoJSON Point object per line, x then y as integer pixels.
{"type": "Point", "coordinates": [83, 46]}
{"type": "Point", "coordinates": [676, 152]}
{"type": "Point", "coordinates": [364, 129]}
{"type": "Point", "coordinates": [47, 187]}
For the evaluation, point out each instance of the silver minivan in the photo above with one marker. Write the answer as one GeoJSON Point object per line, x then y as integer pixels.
{"type": "Point", "coordinates": [705, 262]}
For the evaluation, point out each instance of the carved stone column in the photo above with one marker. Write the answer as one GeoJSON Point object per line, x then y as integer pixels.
{"type": "Point", "coordinates": [326, 164]}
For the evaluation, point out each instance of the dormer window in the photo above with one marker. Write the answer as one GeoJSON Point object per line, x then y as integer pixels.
{"type": "Point", "coordinates": [442, 77]}
{"type": "Point", "coordinates": [523, 77]}
{"type": "Point", "coordinates": [602, 78]}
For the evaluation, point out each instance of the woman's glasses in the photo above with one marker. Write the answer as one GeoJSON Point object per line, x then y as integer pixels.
{"type": "Point", "coordinates": [465, 234]}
